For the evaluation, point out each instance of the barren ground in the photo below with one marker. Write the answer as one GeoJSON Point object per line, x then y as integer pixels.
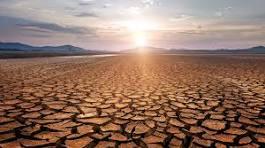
{"type": "Point", "coordinates": [133, 101]}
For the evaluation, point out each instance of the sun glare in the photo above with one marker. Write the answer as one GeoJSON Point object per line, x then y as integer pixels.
{"type": "Point", "coordinates": [140, 25]}
{"type": "Point", "coordinates": [140, 40]}
{"type": "Point", "coordinates": [140, 30]}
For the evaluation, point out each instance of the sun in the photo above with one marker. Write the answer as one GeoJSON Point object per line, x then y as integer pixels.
{"type": "Point", "coordinates": [140, 30]}
{"type": "Point", "coordinates": [140, 40]}
{"type": "Point", "coordinates": [139, 25]}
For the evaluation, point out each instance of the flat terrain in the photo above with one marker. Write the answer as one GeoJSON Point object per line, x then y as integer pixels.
{"type": "Point", "coordinates": [133, 101]}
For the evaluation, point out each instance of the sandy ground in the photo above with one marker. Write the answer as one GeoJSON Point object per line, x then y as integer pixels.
{"type": "Point", "coordinates": [133, 101]}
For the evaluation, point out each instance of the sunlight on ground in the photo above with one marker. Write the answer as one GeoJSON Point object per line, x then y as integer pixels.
{"type": "Point", "coordinates": [142, 50]}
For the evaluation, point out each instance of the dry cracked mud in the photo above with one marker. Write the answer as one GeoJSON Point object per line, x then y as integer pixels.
{"type": "Point", "coordinates": [133, 101]}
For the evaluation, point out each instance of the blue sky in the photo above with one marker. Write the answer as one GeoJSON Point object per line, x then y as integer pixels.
{"type": "Point", "coordinates": [121, 24]}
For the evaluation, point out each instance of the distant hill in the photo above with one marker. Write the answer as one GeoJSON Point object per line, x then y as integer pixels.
{"type": "Point", "coordinates": [145, 49]}
{"type": "Point", "coordinates": [15, 47]}
{"type": "Point", "coordinates": [19, 50]}
{"type": "Point", "coordinates": [258, 49]}
{"type": "Point", "coordinates": [253, 50]}
{"type": "Point", "coordinates": [24, 47]}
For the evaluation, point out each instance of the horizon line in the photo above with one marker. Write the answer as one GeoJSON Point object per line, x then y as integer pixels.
{"type": "Point", "coordinates": [163, 48]}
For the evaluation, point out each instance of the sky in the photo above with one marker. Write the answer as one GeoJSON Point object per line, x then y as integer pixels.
{"type": "Point", "coordinates": [124, 24]}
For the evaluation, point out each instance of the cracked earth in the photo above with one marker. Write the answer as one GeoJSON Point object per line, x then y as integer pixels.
{"type": "Point", "coordinates": [133, 101]}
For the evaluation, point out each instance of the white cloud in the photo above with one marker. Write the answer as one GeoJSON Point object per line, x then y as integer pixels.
{"type": "Point", "coordinates": [148, 3]}
{"type": "Point", "coordinates": [85, 2]}
{"type": "Point", "coordinates": [223, 11]}
{"type": "Point", "coordinates": [107, 5]}
{"type": "Point", "coordinates": [134, 10]}
{"type": "Point", "coordinates": [182, 17]}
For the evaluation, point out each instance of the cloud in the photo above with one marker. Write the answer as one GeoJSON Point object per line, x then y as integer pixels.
{"type": "Point", "coordinates": [191, 32]}
{"type": "Point", "coordinates": [57, 28]}
{"type": "Point", "coordinates": [181, 17]}
{"type": "Point", "coordinates": [10, 21]}
{"type": "Point", "coordinates": [87, 14]}
{"type": "Point", "coordinates": [85, 2]}
{"type": "Point", "coordinates": [223, 11]}
{"type": "Point", "coordinates": [134, 10]}
{"type": "Point", "coordinates": [42, 27]}
{"type": "Point", "coordinates": [148, 3]}
{"type": "Point", "coordinates": [107, 5]}
{"type": "Point", "coordinates": [219, 13]}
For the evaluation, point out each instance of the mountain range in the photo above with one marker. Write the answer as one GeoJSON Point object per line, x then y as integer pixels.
{"type": "Point", "coordinates": [19, 50]}
{"type": "Point", "coordinates": [29, 48]}
{"type": "Point", "coordinates": [252, 50]}
{"type": "Point", "coordinates": [15, 50]}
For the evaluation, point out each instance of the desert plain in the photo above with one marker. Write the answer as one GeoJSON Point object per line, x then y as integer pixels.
{"type": "Point", "coordinates": [133, 101]}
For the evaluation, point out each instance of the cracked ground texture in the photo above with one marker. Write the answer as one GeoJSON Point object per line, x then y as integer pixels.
{"type": "Point", "coordinates": [133, 101]}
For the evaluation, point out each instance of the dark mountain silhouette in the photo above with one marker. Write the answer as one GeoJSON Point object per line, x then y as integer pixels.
{"type": "Point", "coordinates": [24, 47]}
{"type": "Point", "coordinates": [257, 49]}
{"type": "Point", "coordinates": [19, 50]}
{"type": "Point", "coordinates": [15, 47]}
{"type": "Point", "coordinates": [253, 50]}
